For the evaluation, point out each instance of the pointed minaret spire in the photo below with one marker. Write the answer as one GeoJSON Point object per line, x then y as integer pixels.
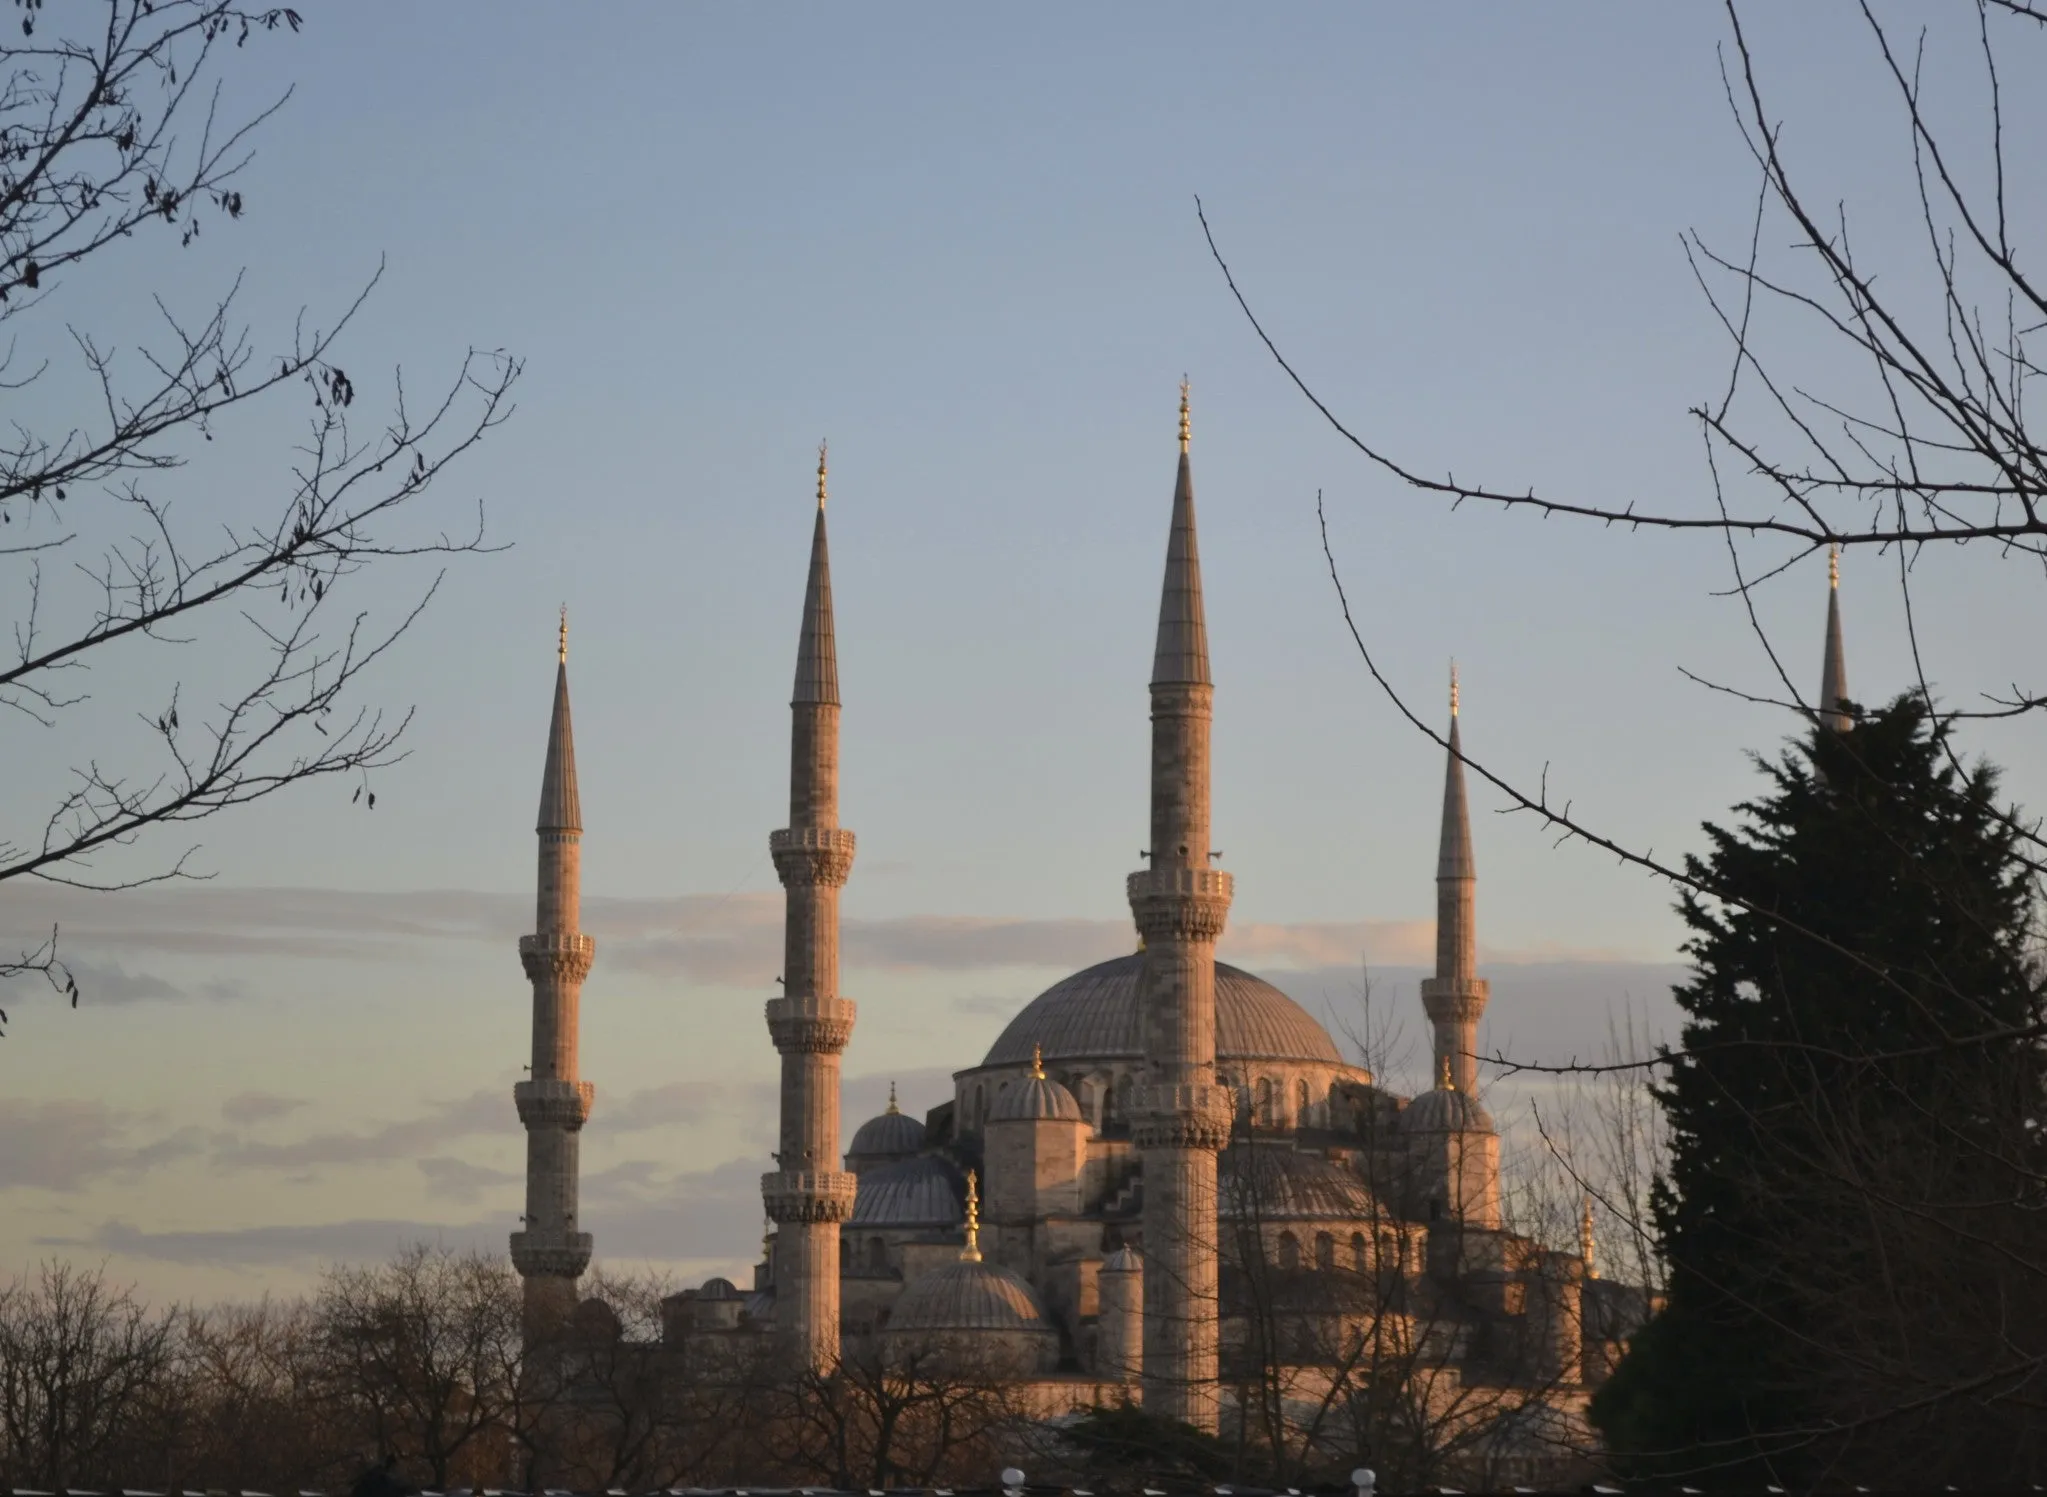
{"type": "Point", "coordinates": [809, 1195]}
{"type": "Point", "coordinates": [1181, 1117]}
{"type": "Point", "coordinates": [1456, 996]}
{"type": "Point", "coordinates": [551, 1253]}
{"type": "Point", "coordinates": [1588, 1243]}
{"type": "Point", "coordinates": [1834, 672]}
{"type": "Point", "coordinates": [1181, 657]}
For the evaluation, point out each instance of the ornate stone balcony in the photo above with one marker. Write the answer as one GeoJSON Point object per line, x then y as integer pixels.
{"type": "Point", "coordinates": [811, 856]}
{"type": "Point", "coordinates": [1185, 1116]}
{"type": "Point", "coordinates": [809, 1195]}
{"type": "Point", "coordinates": [565, 957]}
{"type": "Point", "coordinates": [1188, 904]}
{"type": "Point", "coordinates": [811, 1026]}
{"type": "Point", "coordinates": [555, 1104]}
{"type": "Point", "coordinates": [563, 1257]}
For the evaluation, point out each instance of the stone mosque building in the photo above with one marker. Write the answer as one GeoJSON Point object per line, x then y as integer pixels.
{"type": "Point", "coordinates": [1162, 1170]}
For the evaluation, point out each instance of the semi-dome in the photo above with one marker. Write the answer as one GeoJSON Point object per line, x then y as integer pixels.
{"type": "Point", "coordinates": [918, 1192]}
{"type": "Point", "coordinates": [970, 1295]}
{"type": "Point", "coordinates": [1445, 1110]}
{"type": "Point", "coordinates": [1267, 1184]}
{"type": "Point", "coordinates": [892, 1133]}
{"type": "Point", "coordinates": [1092, 1015]}
{"type": "Point", "coordinates": [1038, 1099]}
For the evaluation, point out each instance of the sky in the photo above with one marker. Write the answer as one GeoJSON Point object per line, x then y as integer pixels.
{"type": "Point", "coordinates": [961, 244]}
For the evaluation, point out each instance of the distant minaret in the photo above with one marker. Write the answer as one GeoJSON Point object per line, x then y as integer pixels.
{"type": "Point", "coordinates": [1834, 673]}
{"type": "Point", "coordinates": [1456, 996]}
{"type": "Point", "coordinates": [1182, 1117]}
{"type": "Point", "coordinates": [809, 1196]}
{"type": "Point", "coordinates": [550, 1253]}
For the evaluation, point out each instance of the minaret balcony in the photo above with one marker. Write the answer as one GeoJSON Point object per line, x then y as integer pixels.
{"type": "Point", "coordinates": [554, 1104]}
{"type": "Point", "coordinates": [564, 956]}
{"type": "Point", "coordinates": [551, 1255]}
{"type": "Point", "coordinates": [1188, 904]}
{"type": "Point", "coordinates": [1182, 1116]}
{"type": "Point", "coordinates": [803, 1025]}
{"type": "Point", "coordinates": [809, 856]}
{"type": "Point", "coordinates": [1448, 999]}
{"type": "Point", "coordinates": [809, 1195]}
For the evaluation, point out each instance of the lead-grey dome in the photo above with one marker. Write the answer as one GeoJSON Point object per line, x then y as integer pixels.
{"type": "Point", "coordinates": [1445, 1110]}
{"type": "Point", "coordinates": [1271, 1184]}
{"type": "Point", "coordinates": [1038, 1099]}
{"type": "Point", "coordinates": [1092, 1015]}
{"type": "Point", "coordinates": [967, 1296]}
{"type": "Point", "coordinates": [920, 1192]}
{"type": "Point", "coordinates": [890, 1134]}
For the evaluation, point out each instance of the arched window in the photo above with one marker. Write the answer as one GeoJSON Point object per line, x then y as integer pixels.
{"type": "Point", "coordinates": [1289, 1251]}
{"type": "Point", "coordinates": [877, 1255]}
{"type": "Point", "coordinates": [1359, 1260]}
{"type": "Point", "coordinates": [1301, 1103]}
{"type": "Point", "coordinates": [1126, 1085]}
{"type": "Point", "coordinates": [1389, 1252]}
{"type": "Point", "coordinates": [980, 1103]}
{"type": "Point", "coordinates": [1264, 1114]}
{"type": "Point", "coordinates": [1325, 1251]}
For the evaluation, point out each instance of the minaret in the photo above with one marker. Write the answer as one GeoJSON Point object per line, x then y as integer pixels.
{"type": "Point", "coordinates": [551, 1253]}
{"type": "Point", "coordinates": [1456, 996]}
{"type": "Point", "coordinates": [1588, 1242]}
{"type": "Point", "coordinates": [1182, 1118]}
{"type": "Point", "coordinates": [1834, 673]}
{"type": "Point", "coordinates": [809, 1196]}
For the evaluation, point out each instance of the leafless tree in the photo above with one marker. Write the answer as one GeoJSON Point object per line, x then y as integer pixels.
{"type": "Point", "coordinates": [82, 1372]}
{"type": "Point", "coordinates": [132, 551]}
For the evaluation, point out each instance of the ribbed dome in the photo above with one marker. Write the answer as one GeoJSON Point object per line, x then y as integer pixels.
{"type": "Point", "coordinates": [1123, 1260]}
{"type": "Point", "coordinates": [720, 1289]}
{"type": "Point", "coordinates": [1267, 1184]}
{"type": "Point", "coordinates": [1445, 1111]}
{"type": "Point", "coordinates": [890, 1134]}
{"type": "Point", "coordinates": [1092, 1015]}
{"type": "Point", "coordinates": [1039, 1099]}
{"type": "Point", "coordinates": [919, 1192]}
{"type": "Point", "coordinates": [968, 1297]}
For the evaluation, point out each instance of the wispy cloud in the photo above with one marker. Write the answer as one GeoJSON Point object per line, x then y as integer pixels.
{"type": "Point", "coordinates": [245, 1109]}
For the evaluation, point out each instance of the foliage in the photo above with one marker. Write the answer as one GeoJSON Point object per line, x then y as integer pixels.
{"type": "Point", "coordinates": [1855, 1169]}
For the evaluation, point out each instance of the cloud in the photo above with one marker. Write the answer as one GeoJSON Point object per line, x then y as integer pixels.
{"type": "Point", "coordinates": [61, 1145]}
{"type": "Point", "coordinates": [246, 1108]}
{"type": "Point", "coordinates": [459, 1180]}
{"type": "Point", "coordinates": [360, 1240]}
{"type": "Point", "coordinates": [100, 982]}
{"type": "Point", "coordinates": [407, 1138]}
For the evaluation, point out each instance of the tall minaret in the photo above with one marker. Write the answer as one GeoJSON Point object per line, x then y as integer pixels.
{"type": "Point", "coordinates": [551, 1253]}
{"type": "Point", "coordinates": [1834, 673]}
{"type": "Point", "coordinates": [1456, 996]}
{"type": "Point", "coordinates": [809, 1196]}
{"type": "Point", "coordinates": [1182, 1118]}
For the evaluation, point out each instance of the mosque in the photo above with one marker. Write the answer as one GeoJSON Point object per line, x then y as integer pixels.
{"type": "Point", "coordinates": [1162, 1177]}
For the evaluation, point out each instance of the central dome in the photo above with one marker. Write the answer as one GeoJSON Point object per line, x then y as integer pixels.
{"type": "Point", "coordinates": [1092, 1015]}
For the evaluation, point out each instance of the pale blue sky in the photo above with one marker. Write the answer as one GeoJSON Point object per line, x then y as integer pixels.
{"type": "Point", "coordinates": [961, 243]}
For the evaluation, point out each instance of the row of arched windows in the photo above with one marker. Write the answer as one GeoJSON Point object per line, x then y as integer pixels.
{"type": "Point", "coordinates": [1358, 1254]}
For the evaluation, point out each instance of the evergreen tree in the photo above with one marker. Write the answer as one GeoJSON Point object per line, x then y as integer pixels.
{"type": "Point", "coordinates": [1852, 1212]}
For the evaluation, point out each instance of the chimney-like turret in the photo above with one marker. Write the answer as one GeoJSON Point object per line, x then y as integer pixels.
{"type": "Point", "coordinates": [1182, 1117]}
{"type": "Point", "coordinates": [809, 1196]}
{"type": "Point", "coordinates": [1456, 996]}
{"type": "Point", "coordinates": [1834, 671]}
{"type": "Point", "coordinates": [551, 1252]}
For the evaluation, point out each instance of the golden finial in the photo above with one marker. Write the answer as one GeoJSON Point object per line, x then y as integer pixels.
{"type": "Point", "coordinates": [1453, 688]}
{"type": "Point", "coordinates": [1586, 1243]}
{"type": "Point", "coordinates": [1038, 1062]}
{"type": "Point", "coordinates": [561, 648]}
{"type": "Point", "coordinates": [892, 1098]}
{"type": "Point", "coordinates": [820, 474]}
{"type": "Point", "coordinates": [971, 1253]}
{"type": "Point", "coordinates": [1833, 566]}
{"type": "Point", "coordinates": [1444, 1079]}
{"type": "Point", "coordinates": [1186, 425]}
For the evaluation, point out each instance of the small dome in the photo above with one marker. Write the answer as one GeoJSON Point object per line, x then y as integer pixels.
{"type": "Point", "coordinates": [1444, 1110]}
{"type": "Point", "coordinates": [893, 1133]}
{"type": "Point", "coordinates": [921, 1191]}
{"type": "Point", "coordinates": [1123, 1260]}
{"type": "Point", "coordinates": [968, 1296]}
{"type": "Point", "coordinates": [1039, 1099]}
{"type": "Point", "coordinates": [721, 1289]}
{"type": "Point", "coordinates": [1269, 1184]}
